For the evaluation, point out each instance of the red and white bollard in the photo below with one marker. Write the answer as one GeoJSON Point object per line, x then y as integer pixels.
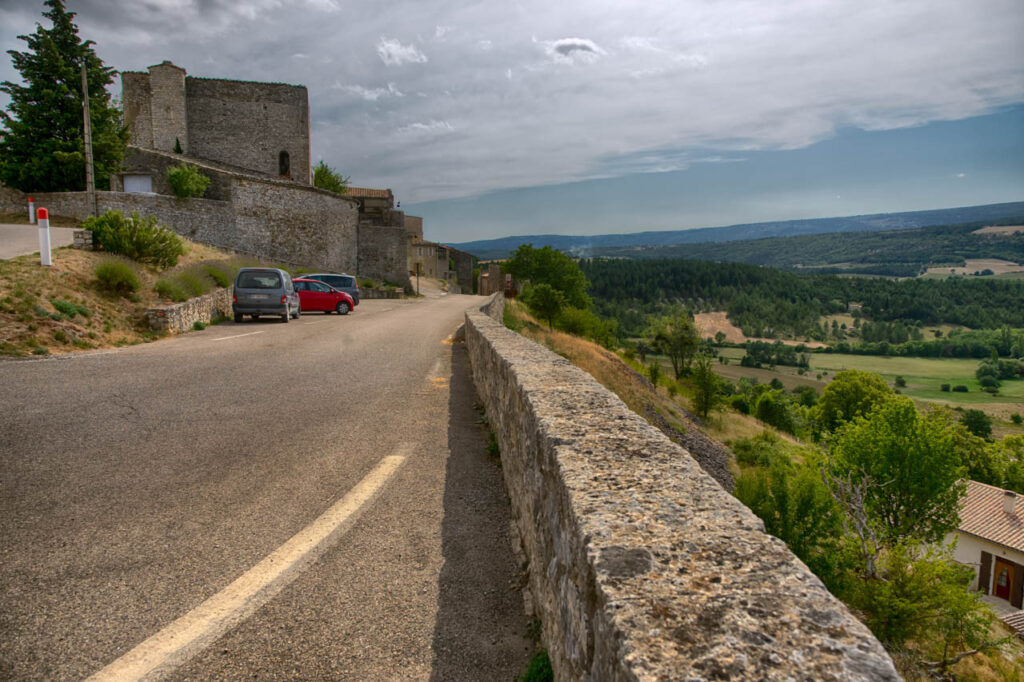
{"type": "Point", "coordinates": [44, 236]}
{"type": "Point", "coordinates": [31, 211]}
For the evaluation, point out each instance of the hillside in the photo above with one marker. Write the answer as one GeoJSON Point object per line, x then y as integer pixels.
{"type": "Point", "coordinates": [585, 245]}
{"type": "Point", "coordinates": [898, 253]}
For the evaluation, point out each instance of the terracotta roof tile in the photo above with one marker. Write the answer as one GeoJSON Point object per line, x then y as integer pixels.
{"type": "Point", "coordinates": [366, 192]}
{"type": "Point", "coordinates": [1016, 621]}
{"type": "Point", "coordinates": [982, 515]}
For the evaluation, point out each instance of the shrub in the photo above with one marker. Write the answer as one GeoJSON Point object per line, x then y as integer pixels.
{"type": "Point", "coordinates": [186, 181]}
{"type": "Point", "coordinates": [367, 283]}
{"type": "Point", "coordinates": [139, 238]}
{"type": "Point", "coordinates": [219, 273]}
{"type": "Point", "coordinates": [171, 289]}
{"type": "Point", "coordinates": [539, 669]}
{"type": "Point", "coordinates": [741, 404]}
{"type": "Point", "coordinates": [944, 388]}
{"type": "Point", "coordinates": [654, 372]}
{"type": "Point", "coordinates": [1016, 418]}
{"type": "Point", "coordinates": [68, 309]}
{"type": "Point", "coordinates": [959, 388]}
{"type": "Point", "coordinates": [117, 277]}
{"type": "Point", "coordinates": [900, 382]}
{"type": "Point", "coordinates": [199, 325]}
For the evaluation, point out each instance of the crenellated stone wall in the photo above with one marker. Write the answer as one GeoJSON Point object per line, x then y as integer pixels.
{"type": "Point", "coordinates": [641, 567]}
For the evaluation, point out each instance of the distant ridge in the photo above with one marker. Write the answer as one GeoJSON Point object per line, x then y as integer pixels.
{"type": "Point", "coordinates": [502, 247]}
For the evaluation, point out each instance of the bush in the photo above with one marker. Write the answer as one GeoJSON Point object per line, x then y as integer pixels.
{"type": "Point", "coordinates": [944, 388]}
{"type": "Point", "coordinates": [199, 325]}
{"type": "Point", "coordinates": [367, 283]}
{"type": "Point", "coordinates": [959, 388]}
{"type": "Point", "coordinates": [117, 277]}
{"type": "Point", "coordinates": [70, 309]}
{"type": "Point", "coordinates": [172, 289]}
{"type": "Point", "coordinates": [219, 273]}
{"type": "Point", "coordinates": [186, 181]}
{"type": "Point", "coordinates": [139, 238]}
{"type": "Point", "coordinates": [741, 404]}
{"type": "Point", "coordinates": [1016, 418]}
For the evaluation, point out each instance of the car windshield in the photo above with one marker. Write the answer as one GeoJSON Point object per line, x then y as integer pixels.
{"type": "Point", "coordinates": [259, 280]}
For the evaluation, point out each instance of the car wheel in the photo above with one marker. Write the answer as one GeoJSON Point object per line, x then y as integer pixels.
{"type": "Point", "coordinates": [255, 317]}
{"type": "Point", "coordinates": [287, 317]}
{"type": "Point", "coordinates": [342, 308]}
{"type": "Point", "coordinates": [238, 318]}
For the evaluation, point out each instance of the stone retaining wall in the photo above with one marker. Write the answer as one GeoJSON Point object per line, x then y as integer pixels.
{"type": "Point", "coordinates": [641, 567]}
{"type": "Point", "coordinates": [180, 317]}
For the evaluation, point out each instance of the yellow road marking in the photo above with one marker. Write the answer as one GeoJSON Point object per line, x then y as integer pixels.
{"type": "Point", "coordinates": [200, 627]}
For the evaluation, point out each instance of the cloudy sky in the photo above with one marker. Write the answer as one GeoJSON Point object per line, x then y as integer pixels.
{"type": "Point", "coordinates": [575, 117]}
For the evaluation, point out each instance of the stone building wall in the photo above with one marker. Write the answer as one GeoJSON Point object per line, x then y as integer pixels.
{"type": "Point", "coordinates": [296, 223]}
{"type": "Point", "coordinates": [138, 115]}
{"type": "Point", "coordinates": [414, 227]}
{"type": "Point", "coordinates": [641, 567]}
{"type": "Point", "coordinates": [382, 254]}
{"type": "Point", "coordinates": [240, 123]}
{"type": "Point", "coordinates": [156, 164]}
{"type": "Point", "coordinates": [167, 107]}
{"type": "Point", "coordinates": [464, 263]}
{"type": "Point", "coordinates": [249, 125]}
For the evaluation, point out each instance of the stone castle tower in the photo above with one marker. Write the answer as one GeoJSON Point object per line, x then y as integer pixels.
{"type": "Point", "coordinates": [256, 127]}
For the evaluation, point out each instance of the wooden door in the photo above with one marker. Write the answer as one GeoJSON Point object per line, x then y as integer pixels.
{"type": "Point", "coordinates": [1002, 583]}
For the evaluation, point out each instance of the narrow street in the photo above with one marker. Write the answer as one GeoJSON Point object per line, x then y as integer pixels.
{"type": "Point", "coordinates": [139, 484]}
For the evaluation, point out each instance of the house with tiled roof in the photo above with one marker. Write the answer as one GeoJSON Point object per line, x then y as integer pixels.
{"type": "Point", "coordinates": [990, 538]}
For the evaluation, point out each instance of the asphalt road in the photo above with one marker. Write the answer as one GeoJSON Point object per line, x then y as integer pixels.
{"type": "Point", "coordinates": [139, 487]}
{"type": "Point", "coordinates": [18, 240]}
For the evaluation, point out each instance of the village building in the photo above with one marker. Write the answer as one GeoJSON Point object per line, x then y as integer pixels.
{"type": "Point", "coordinates": [990, 539]}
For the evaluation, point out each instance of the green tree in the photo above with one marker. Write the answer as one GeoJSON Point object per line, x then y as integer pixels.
{"type": "Point", "coordinates": [42, 142]}
{"type": "Point", "coordinates": [329, 179]}
{"type": "Point", "coordinates": [551, 267]}
{"type": "Point", "coordinates": [705, 384]}
{"type": "Point", "coordinates": [676, 336]}
{"type": "Point", "coordinates": [906, 466]}
{"type": "Point", "coordinates": [797, 508]}
{"type": "Point", "coordinates": [544, 301]}
{"type": "Point", "coordinates": [978, 423]}
{"type": "Point", "coordinates": [850, 394]}
{"type": "Point", "coordinates": [186, 181]}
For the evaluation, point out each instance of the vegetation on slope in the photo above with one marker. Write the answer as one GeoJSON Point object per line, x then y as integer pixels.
{"type": "Point", "coordinates": [897, 253]}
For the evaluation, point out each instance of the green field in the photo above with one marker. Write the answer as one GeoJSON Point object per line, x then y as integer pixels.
{"type": "Point", "coordinates": [924, 376]}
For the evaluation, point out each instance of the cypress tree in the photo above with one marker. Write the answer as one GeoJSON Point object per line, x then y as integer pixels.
{"type": "Point", "coordinates": [42, 146]}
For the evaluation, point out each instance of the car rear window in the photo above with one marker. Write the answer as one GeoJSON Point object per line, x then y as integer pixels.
{"type": "Point", "coordinates": [259, 280]}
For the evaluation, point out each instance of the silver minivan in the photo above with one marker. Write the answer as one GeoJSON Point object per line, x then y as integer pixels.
{"type": "Point", "coordinates": [265, 291]}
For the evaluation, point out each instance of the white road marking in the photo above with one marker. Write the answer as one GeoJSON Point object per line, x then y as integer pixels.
{"type": "Point", "coordinates": [314, 322]}
{"type": "Point", "coordinates": [237, 336]}
{"type": "Point", "coordinates": [188, 635]}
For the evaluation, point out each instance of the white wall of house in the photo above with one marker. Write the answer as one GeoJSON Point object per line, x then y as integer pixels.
{"type": "Point", "coordinates": [968, 552]}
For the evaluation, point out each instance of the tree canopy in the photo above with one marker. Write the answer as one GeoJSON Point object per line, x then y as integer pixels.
{"type": "Point", "coordinates": [551, 267]}
{"type": "Point", "coordinates": [909, 468]}
{"type": "Point", "coordinates": [42, 142]}
{"type": "Point", "coordinates": [851, 393]}
{"type": "Point", "coordinates": [676, 336]}
{"type": "Point", "coordinates": [327, 178]}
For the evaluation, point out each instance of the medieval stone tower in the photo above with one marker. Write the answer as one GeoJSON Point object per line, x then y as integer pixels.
{"type": "Point", "coordinates": [257, 127]}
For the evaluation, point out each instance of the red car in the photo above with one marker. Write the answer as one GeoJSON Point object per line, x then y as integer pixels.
{"type": "Point", "coordinates": [314, 295]}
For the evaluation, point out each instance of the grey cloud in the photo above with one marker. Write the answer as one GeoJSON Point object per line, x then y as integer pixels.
{"type": "Point", "coordinates": [689, 80]}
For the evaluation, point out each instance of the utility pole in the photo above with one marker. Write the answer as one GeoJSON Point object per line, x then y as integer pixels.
{"type": "Point", "coordinates": [90, 181]}
{"type": "Point", "coordinates": [417, 278]}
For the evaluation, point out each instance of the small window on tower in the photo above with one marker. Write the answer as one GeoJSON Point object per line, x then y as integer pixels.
{"type": "Point", "coordinates": [284, 166]}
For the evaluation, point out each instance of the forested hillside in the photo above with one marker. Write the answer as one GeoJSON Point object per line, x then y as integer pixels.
{"type": "Point", "coordinates": [768, 302]}
{"type": "Point", "coordinates": [606, 244]}
{"type": "Point", "coordinates": [900, 253]}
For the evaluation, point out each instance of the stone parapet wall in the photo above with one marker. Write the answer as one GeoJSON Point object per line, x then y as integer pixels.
{"type": "Point", "coordinates": [641, 567]}
{"type": "Point", "coordinates": [180, 317]}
